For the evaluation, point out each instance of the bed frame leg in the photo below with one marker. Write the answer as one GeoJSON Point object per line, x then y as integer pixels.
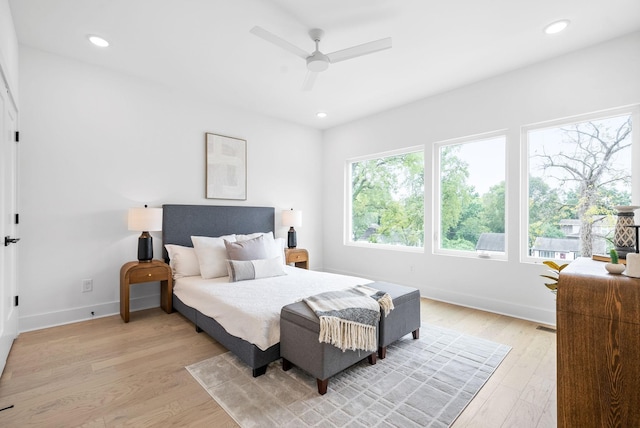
{"type": "Point", "coordinates": [260, 371]}
{"type": "Point", "coordinates": [416, 334]}
{"type": "Point", "coordinates": [199, 330]}
{"type": "Point", "coordinates": [286, 364]}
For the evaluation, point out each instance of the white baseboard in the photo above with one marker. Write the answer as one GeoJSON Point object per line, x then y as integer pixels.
{"type": "Point", "coordinates": [501, 307]}
{"type": "Point", "coordinates": [84, 313]}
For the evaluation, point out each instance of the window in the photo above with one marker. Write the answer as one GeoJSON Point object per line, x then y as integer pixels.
{"type": "Point", "coordinates": [577, 173]}
{"type": "Point", "coordinates": [471, 189]}
{"type": "Point", "coordinates": [387, 199]}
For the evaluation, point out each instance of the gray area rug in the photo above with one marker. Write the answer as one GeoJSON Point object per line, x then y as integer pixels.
{"type": "Point", "coordinates": [421, 383]}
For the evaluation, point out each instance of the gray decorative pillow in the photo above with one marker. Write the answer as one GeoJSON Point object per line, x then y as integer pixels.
{"type": "Point", "coordinates": [253, 249]}
{"type": "Point", "coordinates": [242, 270]}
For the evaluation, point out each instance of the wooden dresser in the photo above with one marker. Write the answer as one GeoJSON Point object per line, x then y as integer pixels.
{"type": "Point", "coordinates": [598, 327]}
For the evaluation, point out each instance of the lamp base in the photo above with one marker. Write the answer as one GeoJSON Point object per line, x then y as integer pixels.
{"type": "Point", "coordinates": [291, 238]}
{"type": "Point", "coordinates": [145, 247]}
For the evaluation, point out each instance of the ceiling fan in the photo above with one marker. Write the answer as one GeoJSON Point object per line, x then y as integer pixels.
{"type": "Point", "coordinates": [318, 61]}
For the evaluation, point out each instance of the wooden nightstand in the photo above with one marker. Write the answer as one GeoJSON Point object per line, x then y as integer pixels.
{"type": "Point", "coordinates": [139, 272]}
{"type": "Point", "coordinates": [298, 256]}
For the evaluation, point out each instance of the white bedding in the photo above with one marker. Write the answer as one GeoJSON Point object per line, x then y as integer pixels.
{"type": "Point", "coordinates": [251, 309]}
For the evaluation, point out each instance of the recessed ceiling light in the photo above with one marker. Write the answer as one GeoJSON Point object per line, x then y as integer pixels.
{"type": "Point", "coordinates": [321, 114]}
{"type": "Point", "coordinates": [98, 41]}
{"type": "Point", "coordinates": [556, 27]}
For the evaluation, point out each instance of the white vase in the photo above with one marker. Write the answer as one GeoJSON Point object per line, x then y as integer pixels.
{"type": "Point", "coordinates": [633, 265]}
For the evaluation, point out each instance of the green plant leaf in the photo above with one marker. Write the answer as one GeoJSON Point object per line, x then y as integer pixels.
{"type": "Point", "coordinates": [550, 277]}
{"type": "Point", "coordinates": [562, 267]}
{"type": "Point", "coordinates": [553, 265]}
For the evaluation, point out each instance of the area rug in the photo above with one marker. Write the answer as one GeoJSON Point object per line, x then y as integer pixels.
{"type": "Point", "coordinates": [421, 383]}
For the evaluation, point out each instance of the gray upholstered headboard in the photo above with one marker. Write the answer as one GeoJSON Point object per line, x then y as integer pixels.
{"type": "Point", "coordinates": [180, 222]}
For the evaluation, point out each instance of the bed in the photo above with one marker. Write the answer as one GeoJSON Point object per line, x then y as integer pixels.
{"type": "Point", "coordinates": [203, 301]}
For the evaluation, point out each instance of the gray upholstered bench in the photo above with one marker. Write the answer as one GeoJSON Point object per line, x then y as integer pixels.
{"type": "Point", "coordinates": [404, 319]}
{"type": "Point", "coordinates": [299, 332]}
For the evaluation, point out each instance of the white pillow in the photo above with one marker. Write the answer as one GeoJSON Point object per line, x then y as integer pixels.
{"type": "Point", "coordinates": [183, 261]}
{"type": "Point", "coordinates": [273, 247]}
{"type": "Point", "coordinates": [276, 250]}
{"type": "Point", "coordinates": [242, 270]}
{"type": "Point", "coordinates": [240, 238]}
{"type": "Point", "coordinates": [212, 255]}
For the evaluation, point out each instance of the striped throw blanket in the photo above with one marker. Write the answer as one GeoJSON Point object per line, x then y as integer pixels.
{"type": "Point", "coordinates": [348, 318]}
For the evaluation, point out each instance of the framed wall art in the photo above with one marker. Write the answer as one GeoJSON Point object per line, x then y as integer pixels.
{"type": "Point", "coordinates": [226, 176]}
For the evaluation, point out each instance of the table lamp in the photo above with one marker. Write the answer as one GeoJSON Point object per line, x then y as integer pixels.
{"type": "Point", "coordinates": [145, 220]}
{"type": "Point", "coordinates": [292, 219]}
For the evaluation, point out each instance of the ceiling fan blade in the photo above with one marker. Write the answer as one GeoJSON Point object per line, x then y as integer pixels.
{"type": "Point", "coordinates": [272, 38]}
{"type": "Point", "coordinates": [309, 80]}
{"type": "Point", "coordinates": [363, 49]}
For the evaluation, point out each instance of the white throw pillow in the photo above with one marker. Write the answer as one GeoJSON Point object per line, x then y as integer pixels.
{"type": "Point", "coordinates": [183, 261]}
{"type": "Point", "coordinates": [212, 255]}
{"type": "Point", "coordinates": [240, 238]}
{"type": "Point", "coordinates": [277, 250]}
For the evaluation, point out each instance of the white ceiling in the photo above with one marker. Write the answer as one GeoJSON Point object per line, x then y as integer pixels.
{"type": "Point", "coordinates": [204, 46]}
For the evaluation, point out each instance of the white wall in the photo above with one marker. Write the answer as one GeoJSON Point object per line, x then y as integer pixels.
{"type": "Point", "coordinates": [95, 143]}
{"type": "Point", "coordinates": [601, 77]}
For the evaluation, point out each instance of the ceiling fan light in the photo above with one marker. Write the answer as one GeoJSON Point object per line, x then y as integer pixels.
{"type": "Point", "coordinates": [317, 62]}
{"type": "Point", "coordinates": [321, 114]}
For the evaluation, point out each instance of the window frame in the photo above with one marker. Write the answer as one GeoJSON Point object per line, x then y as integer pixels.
{"type": "Point", "coordinates": [437, 197]}
{"type": "Point", "coordinates": [632, 110]}
{"type": "Point", "coordinates": [348, 216]}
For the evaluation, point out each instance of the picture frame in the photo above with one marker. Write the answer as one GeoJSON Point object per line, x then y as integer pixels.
{"type": "Point", "coordinates": [226, 169]}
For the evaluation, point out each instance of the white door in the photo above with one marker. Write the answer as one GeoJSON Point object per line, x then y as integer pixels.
{"type": "Point", "coordinates": [8, 223]}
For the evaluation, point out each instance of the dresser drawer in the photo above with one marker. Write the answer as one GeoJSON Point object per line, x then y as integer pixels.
{"type": "Point", "coordinates": [147, 275]}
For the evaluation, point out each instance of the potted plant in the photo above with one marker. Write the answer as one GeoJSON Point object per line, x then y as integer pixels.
{"type": "Point", "coordinates": [615, 267]}
{"type": "Point", "coordinates": [555, 269]}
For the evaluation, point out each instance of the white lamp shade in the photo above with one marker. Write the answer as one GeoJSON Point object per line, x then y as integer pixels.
{"type": "Point", "coordinates": [145, 219]}
{"type": "Point", "coordinates": [292, 218]}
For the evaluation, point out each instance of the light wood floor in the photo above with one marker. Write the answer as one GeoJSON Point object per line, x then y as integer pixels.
{"type": "Point", "coordinates": [104, 373]}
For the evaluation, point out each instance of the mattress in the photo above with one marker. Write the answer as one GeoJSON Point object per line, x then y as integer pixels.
{"type": "Point", "coordinates": [250, 309]}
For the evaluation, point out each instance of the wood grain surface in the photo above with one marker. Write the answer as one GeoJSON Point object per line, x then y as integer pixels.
{"type": "Point", "coordinates": [598, 317]}
{"type": "Point", "coordinates": [105, 373]}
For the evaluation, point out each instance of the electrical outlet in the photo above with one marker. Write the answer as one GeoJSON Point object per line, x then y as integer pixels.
{"type": "Point", "coordinates": [87, 285]}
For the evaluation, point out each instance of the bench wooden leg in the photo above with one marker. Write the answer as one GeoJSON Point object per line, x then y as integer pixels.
{"type": "Point", "coordinates": [286, 364]}
{"type": "Point", "coordinates": [416, 333]}
{"type": "Point", "coordinates": [322, 385]}
{"type": "Point", "coordinates": [372, 358]}
{"type": "Point", "coordinates": [382, 352]}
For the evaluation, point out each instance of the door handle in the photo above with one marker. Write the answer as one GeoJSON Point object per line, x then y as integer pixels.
{"type": "Point", "coordinates": [9, 240]}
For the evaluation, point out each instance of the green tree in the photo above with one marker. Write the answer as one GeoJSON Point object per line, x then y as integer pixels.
{"type": "Point", "coordinates": [493, 217]}
{"type": "Point", "coordinates": [388, 199]}
{"type": "Point", "coordinates": [471, 224]}
{"type": "Point", "coordinates": [455, 196]}
{"type": "Point", "coordinates": [586, 160]}
{"type": "Point", "coordinates": [545, 210]}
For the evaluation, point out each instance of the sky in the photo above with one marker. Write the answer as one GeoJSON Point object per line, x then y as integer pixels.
{"type": "Point", "coordinates": [486, 161]}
